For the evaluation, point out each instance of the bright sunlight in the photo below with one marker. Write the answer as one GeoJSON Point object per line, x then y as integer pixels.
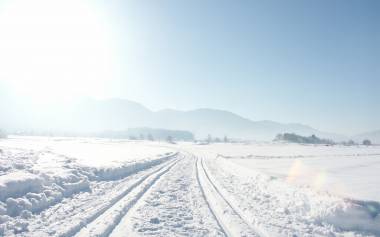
{"type": "Point", "coordinates": [54, 49]}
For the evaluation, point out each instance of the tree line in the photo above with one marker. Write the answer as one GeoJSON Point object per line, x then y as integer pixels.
{"type": "Point", "coordinates": [313, 139]}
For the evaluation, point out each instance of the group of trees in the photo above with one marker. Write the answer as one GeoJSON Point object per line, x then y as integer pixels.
{"type": "Point", "coordinates": [150, 134]}
{"type": "Point", "coordinates": [150, 137]}
{"type": "Point", "coordinates": [365, 142]}
{"type": "Point", "coordinates": [142, 137]}
{"type": "Point", "coordinates": [292, 137]}
{"type": "Point", "coordinates": [211, 139]}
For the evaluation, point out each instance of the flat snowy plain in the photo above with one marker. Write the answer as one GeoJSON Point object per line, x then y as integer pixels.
{"type": "Point", "coordinates": [103, 187]}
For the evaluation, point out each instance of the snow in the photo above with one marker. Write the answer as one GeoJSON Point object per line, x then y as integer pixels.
{"type": "Point", "coordinates": [102, 187]}
{"type": "Point", "coordinates": [95, 152]}
{"type": "Point", "coordinates": [351, 177]}
{"type": "Point", "coordinates": [175, 207]}
{"type": "Point", "coordinates": [18, 183]}
{"type": "Point", "coordinates": [39, 173]}
{"type": "Point", "coordinates": [350, 171]}
{"type": "Point", "coordinates": [322, 189]}
{"type": "Point", "coordinates": [281, 205]}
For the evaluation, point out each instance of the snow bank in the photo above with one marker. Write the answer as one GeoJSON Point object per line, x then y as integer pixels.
{"type": "Point", "coordinates": [19, 183]}
{"type": "Point", "coordinates": [126, 169]}
{"type": "Point", "coordinates": [32, 181]}
{"type": "Point", "coordinates": [355, 215]}
{"type": "Point", "coordinates": [27, 192]}
{"type": "Point", "coordinates": [28, 186]}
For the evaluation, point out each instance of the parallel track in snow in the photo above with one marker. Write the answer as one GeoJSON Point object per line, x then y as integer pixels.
{"type": "Point", "coordinates": [207, 201]}
{"type": "Point", "coordinates": [104, 221]}
{"type": "Point", "coordinates": [231, 220]}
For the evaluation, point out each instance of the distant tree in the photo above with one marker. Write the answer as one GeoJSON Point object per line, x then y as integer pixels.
{"type": "Point", "coordinates": [217, 140]}
{"type": "Point", "coordinates": [3, 134]}
{"type": "Point", "coordinates": [225, 139]}
{"type": "Point", "coordinates": [132, 138]}
{"type": "Point", "coordinates": [350, 143]}
{"type": "Point", "coordinates": [150, 137]}
{"type": "Point", "coordinates": [159, 134]}
{"type": "Point", "coordinates": [209, 138]}
{"type": "Point", "coordinates": [279, 137]}
{"type": "Point", "coordinates": [169, 139]}
{"type": "Point", "coordinates": [142, 136]}
{"type": "Point", "coordinates": [367, 142]}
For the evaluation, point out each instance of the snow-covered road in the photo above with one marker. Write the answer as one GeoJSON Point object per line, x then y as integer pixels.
{"type": "Point", "coordinates": [181, 190]}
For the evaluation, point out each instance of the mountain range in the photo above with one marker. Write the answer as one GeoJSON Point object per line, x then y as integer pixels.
{"type": "Point", "coordinates": [89, 115]}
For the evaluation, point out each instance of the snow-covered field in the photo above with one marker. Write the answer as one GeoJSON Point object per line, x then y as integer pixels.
{"type": "Point", "coordinates": [103, 187]}
{"type": "Point", "coordinates": [349, 171]}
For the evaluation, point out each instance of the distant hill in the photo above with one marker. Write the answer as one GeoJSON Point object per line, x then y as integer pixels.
{"type": "Point", "coordinates": [373, 136]}
{"type": "Point", "coordinates": [219, 123]}
{"type": "Point", "coordinates": [92, 116]}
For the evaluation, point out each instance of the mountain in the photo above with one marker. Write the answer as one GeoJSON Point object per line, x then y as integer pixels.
{"type": "Point", "coordinates": [91, 116]}
{"type": "Point", "coordinates": [373, 136]}
{"type": "Point", "coordinates": [219, 123]}
{"type": "Point", "coordinates": [86, 115]}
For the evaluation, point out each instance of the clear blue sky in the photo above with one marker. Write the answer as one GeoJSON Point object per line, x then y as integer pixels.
{"type": "Point", "coordinates": [312, 62]}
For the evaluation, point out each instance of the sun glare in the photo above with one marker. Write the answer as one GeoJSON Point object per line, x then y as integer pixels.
{"type": "Point", "coordinates": [55, 49]}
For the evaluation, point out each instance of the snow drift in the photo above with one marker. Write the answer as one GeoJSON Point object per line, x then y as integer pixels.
{"type": "Point", "coordinates": [32, 181]}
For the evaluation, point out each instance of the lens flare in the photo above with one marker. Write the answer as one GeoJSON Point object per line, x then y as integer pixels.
{"type": "Point", "coordinates": [294, 171]}
{"type": "Point", "coordinates": [319, 180]}
{"type": "Point", "coordinates": [301, 173]}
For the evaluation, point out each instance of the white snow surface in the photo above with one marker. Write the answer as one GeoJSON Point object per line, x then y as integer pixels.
{"type": "Point", "coordinates": [97, 152]}
{"type": "Point", "coordinates": [103, 187]}
{"type": "Point", "coordinates": [349, 171]}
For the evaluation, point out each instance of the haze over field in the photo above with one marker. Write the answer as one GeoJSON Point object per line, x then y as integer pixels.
{"type": "Point", "coordinates": [283, 62]}
{"type": "Point", "coordinates": [86, 117]}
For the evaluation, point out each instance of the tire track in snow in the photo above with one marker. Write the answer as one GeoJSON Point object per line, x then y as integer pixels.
{"type": "Point", "coordinates": [230, 218]}
{"type": "Point", "coordinates": [103, 221]}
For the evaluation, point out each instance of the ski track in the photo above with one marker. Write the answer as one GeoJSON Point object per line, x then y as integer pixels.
{"type": "Point", "coordinates": [175, 206]}
{"type": "Point", "coordinates": [205, 198]}
{"type": "Point", "coordinates": [105, 222]}
{"type": "Point", "coordinates": [229, 217]}
{"type": "Point", "coordinates": [67, 220]}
